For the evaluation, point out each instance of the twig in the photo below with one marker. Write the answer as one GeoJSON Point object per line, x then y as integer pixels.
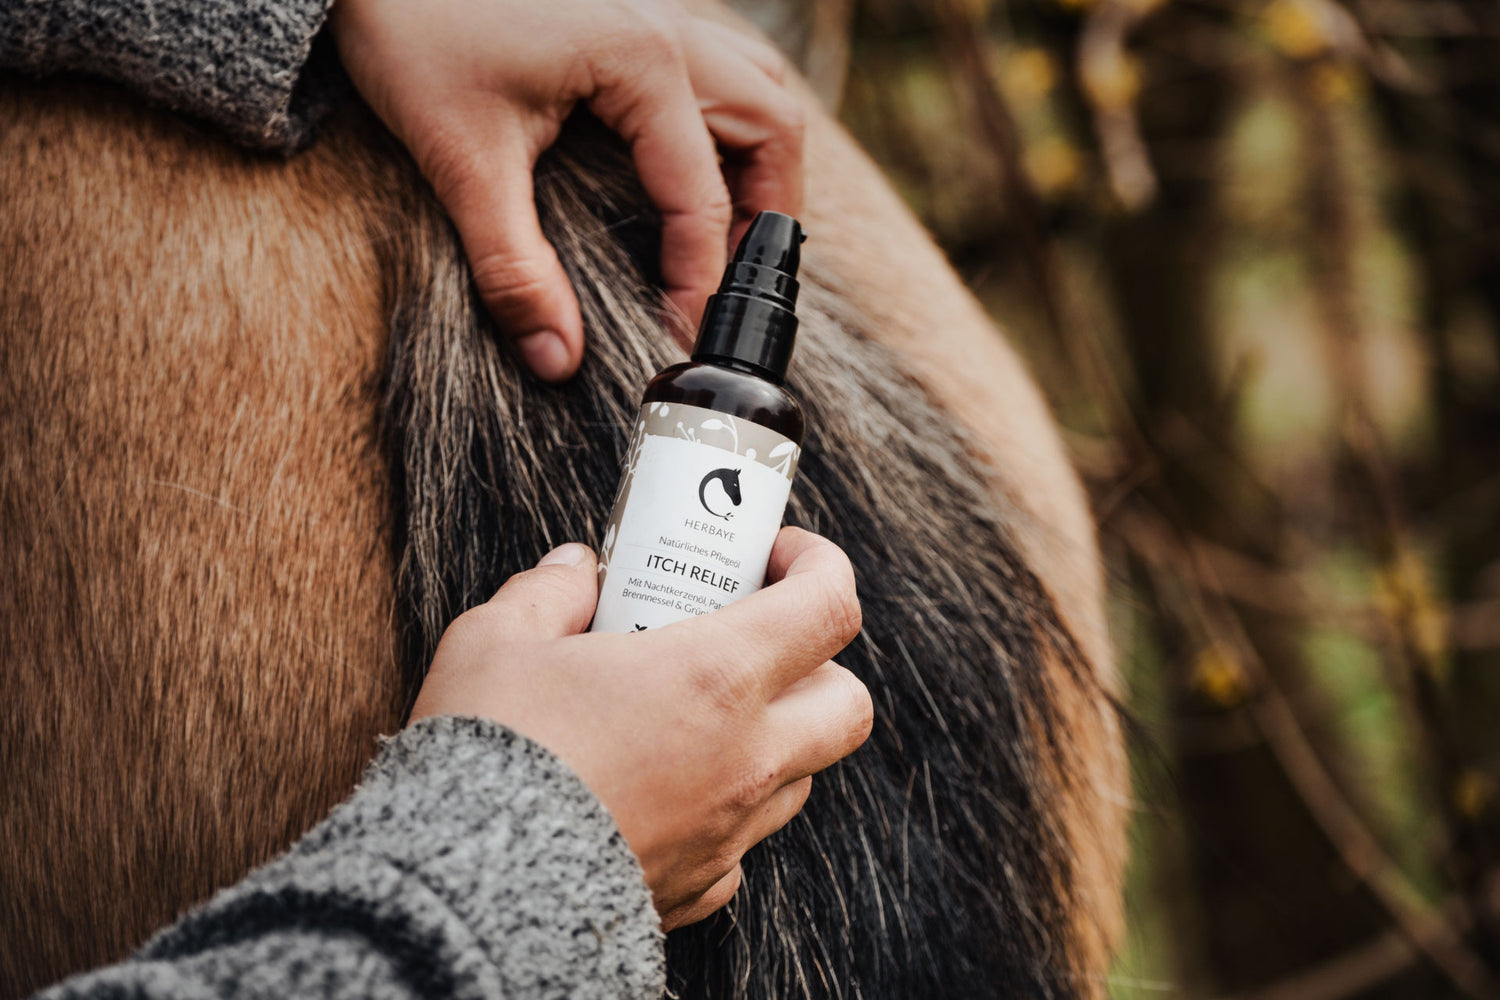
{"type": "Point", "coordinates": [826, 62]}
{"type": "Point", "coordinates": [1106, 74]}
{"type": "Point", "coordinates": [1242, 578]}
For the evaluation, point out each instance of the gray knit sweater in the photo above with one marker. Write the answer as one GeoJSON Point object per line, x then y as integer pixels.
{"type": "Point", "coordinates": [250, 67]}
{"type": "Point", "coordinates": [469, 863]}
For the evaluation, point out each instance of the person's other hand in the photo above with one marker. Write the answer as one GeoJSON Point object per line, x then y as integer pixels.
{"type": "Point", "coordinates": [700, 737]}
{"type": "Point", "coordinates": [477, 89]}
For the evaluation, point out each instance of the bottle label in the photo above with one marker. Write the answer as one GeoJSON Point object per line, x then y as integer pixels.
{"type": "Point", "coordinates": [700, 501]}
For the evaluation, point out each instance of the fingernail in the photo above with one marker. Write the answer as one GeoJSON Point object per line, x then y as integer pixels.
{"type": "Point", "coordinates": [570, 554]}
{"type": "Point", "coordinates": [545, 353]}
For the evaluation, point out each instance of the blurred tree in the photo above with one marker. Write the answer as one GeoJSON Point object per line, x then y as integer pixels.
{"type": "Point", "coordinates": [1438, 92]}
{"type": "Point", "coordinates": [1313, 570]}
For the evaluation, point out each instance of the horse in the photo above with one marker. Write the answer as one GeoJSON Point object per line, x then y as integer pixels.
{"type": "Point", "coordinates": [262, 445]}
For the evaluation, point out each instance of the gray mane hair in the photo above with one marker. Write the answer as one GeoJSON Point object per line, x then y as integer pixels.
{"type": "Point", "coordinates": [931, 863]}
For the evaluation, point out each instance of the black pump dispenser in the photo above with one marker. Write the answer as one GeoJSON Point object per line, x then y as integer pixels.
{"type": "Point", "coordinates": [751, 320]}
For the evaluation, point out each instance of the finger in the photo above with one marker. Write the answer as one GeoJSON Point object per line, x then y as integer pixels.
{"type": "Point", "coordinates": [778, 810]}
{"type": "Point", "coordinates": [820, 720]}
{"type": "Point", "coordinates": [798, 550]}
{"type": "Point", "coordinates": [656, 112]}
{"type": "Point", "coordinates": [555, 599]}
{"type": "Point", "coordinates": [516, 271]}
{"type": "Point", "coordinates": [757, 121]}
{"type": "Point", "coordinates": [783, 632]}
{"type": "Point", "coordinates": [716, 898]}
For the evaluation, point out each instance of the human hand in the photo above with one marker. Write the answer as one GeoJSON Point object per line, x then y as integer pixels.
{"type": "Point", "coordinates": [477, 89]}
{"type": "Point", "coordinates": [699, 737]}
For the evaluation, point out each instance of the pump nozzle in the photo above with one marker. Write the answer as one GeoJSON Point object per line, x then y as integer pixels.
{"type": "Point", "coordinates": [750, 320]}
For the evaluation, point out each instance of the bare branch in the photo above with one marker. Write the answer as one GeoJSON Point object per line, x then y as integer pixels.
{"type": "Point", "coordinates": [1108, 77]}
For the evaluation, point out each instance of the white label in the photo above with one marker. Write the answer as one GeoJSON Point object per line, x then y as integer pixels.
{"type": "Point", "coordinates": [700, 503]}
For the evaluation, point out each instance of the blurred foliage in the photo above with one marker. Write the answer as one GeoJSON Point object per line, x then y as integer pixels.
{"type": "Point", "coordinates": [1252, 251]}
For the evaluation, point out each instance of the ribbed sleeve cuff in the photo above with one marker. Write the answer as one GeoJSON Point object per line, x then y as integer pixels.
{"type": "Point", "coordinates": [469, 853]}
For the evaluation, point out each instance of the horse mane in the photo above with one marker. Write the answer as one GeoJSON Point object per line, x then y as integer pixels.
{"type": "Point", "coordinates": [932, 862]}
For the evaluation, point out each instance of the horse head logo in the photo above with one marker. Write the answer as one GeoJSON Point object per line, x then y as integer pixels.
{"type": "Point", "coordinates": [721, 500]}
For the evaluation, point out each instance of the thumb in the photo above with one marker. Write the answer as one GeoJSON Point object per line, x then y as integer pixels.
{"type": "Point", "coordinates": [555, 599]}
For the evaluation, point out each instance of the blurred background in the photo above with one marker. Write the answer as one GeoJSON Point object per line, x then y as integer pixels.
{"type": "Point", "coordinates": [1252, 253]}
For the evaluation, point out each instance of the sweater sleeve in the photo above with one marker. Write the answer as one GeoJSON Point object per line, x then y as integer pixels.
{"type": "Point", "coordinates": [247, 66]}
{"type": "Point", "coordinates": [469, 863]}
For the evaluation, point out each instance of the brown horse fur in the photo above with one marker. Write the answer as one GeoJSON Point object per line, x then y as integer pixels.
{"type": "Point", "coordinates": [260, 446]}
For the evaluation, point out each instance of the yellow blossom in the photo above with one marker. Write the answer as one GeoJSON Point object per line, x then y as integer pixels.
{"type": "Point", "coordinates": [1028, 75]}
{"type": "Point", "coordinates": [1472, 792]}
{"type": "Point", "coordinates": [1295, 28]}
{"type": "Point", "coordinates": [1053, 165]}
{"type": "Point", "coordinates": [1218, 675]}
{"type": "Point", "coordinates": [1334, 83]}
{"type": "Point", "coordinates": [1405, 596]}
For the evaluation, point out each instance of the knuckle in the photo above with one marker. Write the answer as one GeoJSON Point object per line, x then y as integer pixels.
{"type": "Point", "coordinates": [503, 276]}
{"type": "Point", "coordinates": [860, 707]}
{"type": "Point", "coordinates": [725, 860]}
{"type": "Point", "coordinates": [548, 585]}
{"type": "Point", "coordinates": [449, 158]}
{"type": "Point", "coordinates": [656, 42]}
{"type": "Point", "coordinates": [770, 60]}
{"type": "Point", "coordinates": [712, 204]}
{"type": "Point", "coordinates": [790, 118]}
{"type": "Point", "coordinates": [802, 790]}
{"type": "Point", "coordinates": [837, 607]}
{"type": "Point", "coordinates": [747, 794]}
{"type": "Point", "coordinates": [478, 623]}
{"type": "Point", "coordinates": [725, 889]}
{"type": "Point", "coordinates": [715, 897]}
{"type": "Point", "coordinates": [718, 205]}
{"type": "Point", "coordinates": [513, 610]}
{"type": "Point", "coordinates": [721, 830]}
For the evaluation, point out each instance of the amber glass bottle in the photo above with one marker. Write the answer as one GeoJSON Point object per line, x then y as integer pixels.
{"type": "Point", "coordinates": [708, 469]}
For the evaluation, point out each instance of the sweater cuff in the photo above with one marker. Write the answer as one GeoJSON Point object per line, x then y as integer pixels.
{"type": "Point", "coordinates": [248, 66]}
{"type": "Point", "coordinates": [463, 821]}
